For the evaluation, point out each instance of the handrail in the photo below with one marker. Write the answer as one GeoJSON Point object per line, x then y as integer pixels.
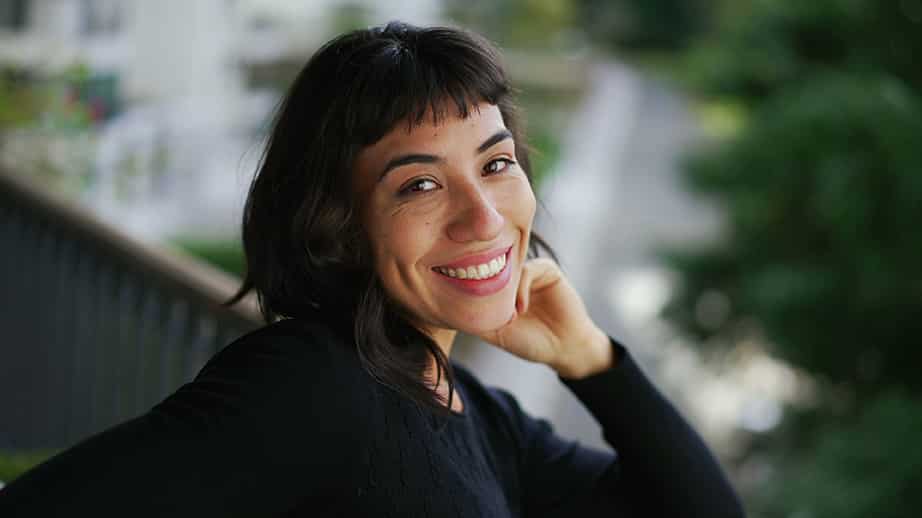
{"type": "Point", "coordinates": [195, 279]}
{"type": "Point", "coordinates": [97, 326]}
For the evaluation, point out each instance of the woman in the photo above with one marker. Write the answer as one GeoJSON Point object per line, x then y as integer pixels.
{"type": "Point", "coordinates": [392, 209]}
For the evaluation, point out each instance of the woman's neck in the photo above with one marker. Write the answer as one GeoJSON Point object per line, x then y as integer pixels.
{"type": "Point", "coordinates": [444, 339]}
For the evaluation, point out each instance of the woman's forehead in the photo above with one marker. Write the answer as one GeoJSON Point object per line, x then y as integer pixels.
{"type": "Point", "coordinates": [450, 128]}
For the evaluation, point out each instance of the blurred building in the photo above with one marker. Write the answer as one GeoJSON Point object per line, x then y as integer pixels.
{"type": "Point", "coordinates": [170, 96]}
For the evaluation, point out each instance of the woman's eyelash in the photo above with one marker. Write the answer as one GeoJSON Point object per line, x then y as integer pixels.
{"type": "Point", "coordinates": [411, 187]}
{"type": "Point", "coordinates": [509, 163]}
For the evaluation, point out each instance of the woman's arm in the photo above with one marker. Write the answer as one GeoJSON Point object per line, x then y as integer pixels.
{"type": "Point", "coordinates": [664, 467]}
{"type": "Point", "coordinates": [659, 467]}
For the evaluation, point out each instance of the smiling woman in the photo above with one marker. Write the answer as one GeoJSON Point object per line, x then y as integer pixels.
{"type": "Point", "coordinates": [454, 200]}
{"type": "Point", "coordinates": [392, 209]}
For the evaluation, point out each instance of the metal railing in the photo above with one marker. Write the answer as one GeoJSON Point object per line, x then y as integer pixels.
{"type": "Point", "coordinates": [95, 327]}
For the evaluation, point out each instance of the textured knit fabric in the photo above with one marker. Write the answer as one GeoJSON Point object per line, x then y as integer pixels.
{"type": "Point", "coordinates": [285, 422]}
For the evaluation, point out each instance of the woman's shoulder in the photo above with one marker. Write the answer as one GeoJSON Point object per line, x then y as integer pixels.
{"type": "Point", "coordinates": [306, 350]}
{"type": "Point", "coordinates": [289, 373]}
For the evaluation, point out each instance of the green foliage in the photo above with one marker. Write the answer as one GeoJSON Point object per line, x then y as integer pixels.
{"type": "Point", "coordinates": [529, 24]}
{"type": "Point", "coordinates": [545, 114]}
{"type": "Point", "coordinates": [760, 47]}
{"type": "Point", "coordinates": [225, 254]}
{"type": "Point", "coordinates": [644, 25]}
{"type": "Point", "coordinates": [349, 16]}
{"type": "Point", "coordinates": [19, 105]}
{"type": "Point", "coordinates": [868, 467]}
{"type": "Point", "coordinates": [621, 25]}
{"type": "Point", "coordinates": [822, 194]}
{"type": "Point", "coordinates": [820, 184]}
{"type": "Point", "coordinates": [63, 103]}
{"type": "Point", "coordinates": [545, 150]}
{"type": "Point", "coordinates": [15, 463]}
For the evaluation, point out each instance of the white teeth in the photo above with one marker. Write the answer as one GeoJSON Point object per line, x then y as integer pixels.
{"type": "Point", "coordinates": [481, 271]}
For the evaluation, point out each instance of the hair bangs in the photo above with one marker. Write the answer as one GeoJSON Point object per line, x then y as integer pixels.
{"type": "Point", "coordinates": [408, 80]}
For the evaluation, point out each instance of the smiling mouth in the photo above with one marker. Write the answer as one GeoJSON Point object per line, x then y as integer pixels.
{"type": "Point", "coordinates": [477, 272]}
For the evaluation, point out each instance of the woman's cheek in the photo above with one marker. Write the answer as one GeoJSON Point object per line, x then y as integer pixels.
{"type": "Point", "coordinates": [519, 200]}
{"type": "Point", "coordinates": [411, 238]}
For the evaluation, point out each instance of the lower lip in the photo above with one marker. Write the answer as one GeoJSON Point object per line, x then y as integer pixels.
{"type": "Point", "coordinates": [485, 286]}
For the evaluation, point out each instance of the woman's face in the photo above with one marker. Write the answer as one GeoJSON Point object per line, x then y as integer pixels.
{"type": "Point", "coordinates": [448, 212]}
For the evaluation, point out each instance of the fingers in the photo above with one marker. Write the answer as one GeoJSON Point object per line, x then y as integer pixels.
{"type": "Point", "coordinates": [545, 272]}
{"type": "Point", "coordinates": [521, 298]}
{"type": "Point", "coordinates": [536, 275]}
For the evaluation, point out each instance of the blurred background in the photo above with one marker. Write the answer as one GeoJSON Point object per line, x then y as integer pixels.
{"type": "Point", "coordinates": [734, 186]}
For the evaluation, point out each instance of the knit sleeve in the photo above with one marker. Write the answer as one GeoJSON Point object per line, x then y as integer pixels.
{"type": "Point", "coordinates": [664, 467]}
{"type": "Point", "coordinates": [556, 476]}
{"type": "Point", "coordinates": [250, 436]}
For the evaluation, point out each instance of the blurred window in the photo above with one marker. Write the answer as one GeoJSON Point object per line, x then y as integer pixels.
{"type": "Point", "coordinates": [13, 14]}
{"type": "Point", "coordinates": [100, 17]}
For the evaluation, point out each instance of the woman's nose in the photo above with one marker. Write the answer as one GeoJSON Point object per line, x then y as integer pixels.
{"type": "Point", "coordinates": [476, 218]}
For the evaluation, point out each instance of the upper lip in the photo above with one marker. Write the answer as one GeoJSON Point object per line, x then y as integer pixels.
{"type": "Point", "coordinates": [478, 258]}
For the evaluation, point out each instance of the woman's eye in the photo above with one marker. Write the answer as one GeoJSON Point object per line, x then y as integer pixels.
{"type": "Point", "coordinates": [498, 165]}
{"type": "Point", "coordinates": [423, 185]}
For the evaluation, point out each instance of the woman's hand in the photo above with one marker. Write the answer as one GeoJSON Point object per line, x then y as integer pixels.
{"type": "Point", "coordinates": [551, 325]}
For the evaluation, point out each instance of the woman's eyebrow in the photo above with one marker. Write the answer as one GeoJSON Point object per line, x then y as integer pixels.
{"type": "Point", "coordinates": [419, 158]}
{"type": "Point", "coordinates": [497, 137]}
{"type": "Point", "coordinates": [402, 160]}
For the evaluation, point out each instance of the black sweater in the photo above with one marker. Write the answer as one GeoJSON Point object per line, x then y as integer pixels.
{"type": "Point", "coordinates": [285, 422]}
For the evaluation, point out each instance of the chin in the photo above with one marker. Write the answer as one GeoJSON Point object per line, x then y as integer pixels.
{"type": "Point", "coordinates": [478, 324]}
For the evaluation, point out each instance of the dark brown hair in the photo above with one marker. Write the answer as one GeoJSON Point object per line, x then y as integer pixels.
{"type": "Point", "coordinates": [306, 254]}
